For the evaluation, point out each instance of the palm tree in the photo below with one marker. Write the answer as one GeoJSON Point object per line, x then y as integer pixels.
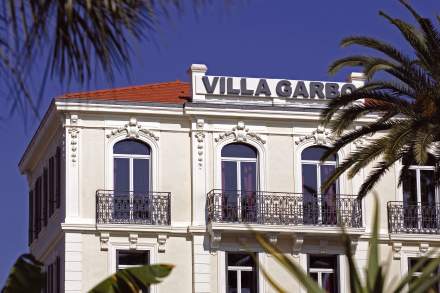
{"type": "Point", "coordinates": [74, 39]}
{"type": "Point", "coordinates": [403, 92]}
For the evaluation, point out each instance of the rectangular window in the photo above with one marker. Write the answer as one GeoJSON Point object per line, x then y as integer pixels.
{"type": "Point", "coordinates": [58, 177]}
{"type": "Point", "coordinates": [58, 275]}
{"type": "Point", "coordinates": [31, 217]}
{"type": "Point", "coordinates": [51, 186]}
{"type": "Point", "coordinates": [38, 218]}
{"type": "Point", "coordinates": [45, 196]}
{"type": "Point", "coordinates": [411, 264]}
{"type": "Point", "coordinates": [242, 275]}
{"type": "Point", "coordinates": [324, 270]}
{"type": "Point", "coordinates": [132, 258]}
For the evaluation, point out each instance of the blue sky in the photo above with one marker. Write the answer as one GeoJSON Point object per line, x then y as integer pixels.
{"type": "Point", "coordinates": [278, 38]}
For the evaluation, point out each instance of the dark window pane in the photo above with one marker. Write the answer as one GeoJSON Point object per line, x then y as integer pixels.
{"type": "Point", "coordinates": [131, 147]}
{"type": "Point", "coordinates": [229, 175]}
{"type": "Point", "coordinates": [232, 282]}
{"type": "Point", "coordinates": [248, 282]}
{"type": "Point", "coordinates": [141, 176]}
{"type": "Point", "coordinates": [248, 176]}
{"type": "Point", "coordinates": [328, 282]}
{"type": "Point", "coordinates": [121, 175]}
{"type": "Point", "coordinates": [133, 257]}
{"type": "Point", "coordinates": [410, 187]}
{"type": "Point", "coordinates": [323, 262]}
{"type": "Point", "coordinates": [413, 261]}
{"type": "Point", "coordinates": [240, 259]}
{"type": "Point", "coordinates": [427, 187]}
{"type": "Point", "coordinates": [328, 199]}
{"type": "Point", "coordinates": [239, 150]}
{"type": "Point", "coordinates": [310, 199]}
{"type": "Point", "coordinates": [315, 153]}
{"type": "Point", "coordinates": [409, 160]}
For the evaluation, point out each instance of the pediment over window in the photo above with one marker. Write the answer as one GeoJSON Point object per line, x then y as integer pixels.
{"type": "Point", "coordinates": [133, 130]}
{"type": "Point", "coordinates": [240, 133]}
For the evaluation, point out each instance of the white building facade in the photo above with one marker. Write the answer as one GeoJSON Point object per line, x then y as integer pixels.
{"type": "Point", "coordinates": [186, 173]}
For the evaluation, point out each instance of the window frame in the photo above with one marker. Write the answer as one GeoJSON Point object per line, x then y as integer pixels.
{"type": "Point", "coordinates": [131, 158]}
{"type": "Point", "coordinates": [320, 271]}
{"type": "Point", "coordinates": [239, 269]}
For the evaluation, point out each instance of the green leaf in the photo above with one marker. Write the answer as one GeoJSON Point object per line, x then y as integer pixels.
{"type": "Point", "coordinates": [133, 279]}
{"type": "Point", "coordinates": [26, 275]}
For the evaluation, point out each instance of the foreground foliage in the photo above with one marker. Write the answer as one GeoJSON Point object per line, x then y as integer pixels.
{"type": "Point", "coordinates": [376, 278]}
{"type": "Point", "coordinates": [27, 275]}
{"type": "Point", "coordinates": [403, 91]}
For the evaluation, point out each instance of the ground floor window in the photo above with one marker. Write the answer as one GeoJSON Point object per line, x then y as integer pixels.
{"type": "Point", "coordinates": [412, 263]}
{"type": "Point", "coordinates": [324, 270]}
{"type": "Point", "coordinates": [132, 258]}
{"type": "Point", "coordinates": [242, 275]}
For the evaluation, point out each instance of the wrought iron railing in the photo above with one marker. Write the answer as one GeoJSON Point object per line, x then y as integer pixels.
{"type": "Point", "coordinates": [152, 208]}
{"type": "Point", "coordinates": [406, 217]}
{"type": "Point", "coordinates": [276, 208]}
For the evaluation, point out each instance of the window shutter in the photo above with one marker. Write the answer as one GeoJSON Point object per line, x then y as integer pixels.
{"type": "Point", "coordinates": [31, 217]}
{"type": "Point", "coordinates": [58, 177]}
{"type": "Point", "coordinates": [37, 207]}
{"type": "Point", "coordinates": [51, 186]}
{"type": "Point", "coordinates": [45, 196]}
{"type": "Point", "coordinates": [58, 275]}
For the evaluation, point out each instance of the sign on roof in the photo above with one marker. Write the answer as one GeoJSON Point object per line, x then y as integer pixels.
{"type": "Point", "coordinates": [270, 88]}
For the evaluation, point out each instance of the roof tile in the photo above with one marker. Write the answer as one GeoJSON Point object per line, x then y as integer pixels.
{"type": "Point", "coordinates": [175, 92]}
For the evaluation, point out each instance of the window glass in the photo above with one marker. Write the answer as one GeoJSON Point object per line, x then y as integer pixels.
{"type": "Point", "coordinates": [410, 187]}
{"type": "Point", "coordinates": [315, 153]}
{"type": "Point", "coordinates": [413, 261]}
{"type": "Point", "coordinates": [248, 176]}
{"type": "Point", "coordinates": [131, 147]}
{"type": "Point", "coordinates": [241, 273]}
{"type": "Point", "coordinates": [141, 168]}
{"type": "Point", "coordinates": [239, 150]}
{"type": "Point", "coordinates": [323, 269]}
{"type": "Point", "coordinates": [133, 258]}
{"type": "Point", "coordinates": [229, 175]}
{"type": "Point", "coordinates": [121, 175]}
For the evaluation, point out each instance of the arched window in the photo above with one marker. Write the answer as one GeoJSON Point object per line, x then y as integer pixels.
{"type": "Point", "coordinates": [132, 165]}
{"type": "Point", "coordinates": [420, 194]}
{"type": "Point", "coordinates": [239, 181]}
{"type": "Point", "coordinates": [319, 206]}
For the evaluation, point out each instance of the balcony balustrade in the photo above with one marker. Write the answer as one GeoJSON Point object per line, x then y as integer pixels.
{"type": "Point", "coordinates": [275, 208]}
{"type": "Point", "coordinates": [152, 208]}
{"type": "Point", "coordinates": [413, 218]}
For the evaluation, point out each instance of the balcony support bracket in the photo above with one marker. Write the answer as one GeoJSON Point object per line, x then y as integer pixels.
{"type": "Point", "coordinates": [133, 240]}
{"type": "Point", "coordinates": [104, 239]}
{"type": "Point", "coordinates": [216, 238]}
{"type": "Point", "coordinates": [423, 248]}
{"type": "Point", "coordinates": [297, 243]}
{"type": "Point", "coordinates": [397, 247]}
{"type": "Point", "coordinates": [272, 237]}
{"type": "Point", "coordinates": [162, 241]}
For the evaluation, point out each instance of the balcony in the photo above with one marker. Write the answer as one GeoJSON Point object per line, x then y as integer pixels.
{"type": "Point", "coordinates": [413, 218]}
{"type": "Point", "coordinates": [153, 208]}
{"type": "Point", "coordinates": [287, 209]}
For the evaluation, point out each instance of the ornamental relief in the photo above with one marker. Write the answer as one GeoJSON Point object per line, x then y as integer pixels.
{"type": "Point", "coordinates": [132, 130]}
{"type": "Point", "coordinates": [240, 133]}
{"type": "Point", "coordinates": [320, 136]}
{"type": "Point", "coordinates": [200, 138]}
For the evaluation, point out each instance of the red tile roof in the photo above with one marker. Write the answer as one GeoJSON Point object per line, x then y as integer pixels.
{"type": "Point", "coordinates": [174, 92]}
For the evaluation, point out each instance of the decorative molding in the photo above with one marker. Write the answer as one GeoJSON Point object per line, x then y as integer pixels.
{"type": "Point", "coordinates": [200, 137]}
{"type": "Point", "coordinates": [133, 240]}
{"type": "Point", "coordinates": [104, 239]}
{"type": "Point", "coordinates": [240, 133]}
{"type": "Point", "coordinates": [133, 129]}
{"type": "Point", "coordinates": [73, 132]}
{"type": "Point", "coordinates": [297, 244]}
{"type": "Point", "coordinates": [216, 238]}
{"type": "Point", "coordinates": [320, 136]}
{"type": "Point", "coordinates": [423, 248]}
{"type": "Point", "coordinates": [162, 241]}
{"type": "Point", "coordinates": [397, 248]}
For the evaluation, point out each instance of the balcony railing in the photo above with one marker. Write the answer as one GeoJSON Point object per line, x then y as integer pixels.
{"type": "Point", "coordinates": [275, 208]}
{"type": "Point", "coordinates": [152, 208]}
{"type": "Point", "coordinates": [413, 218]}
